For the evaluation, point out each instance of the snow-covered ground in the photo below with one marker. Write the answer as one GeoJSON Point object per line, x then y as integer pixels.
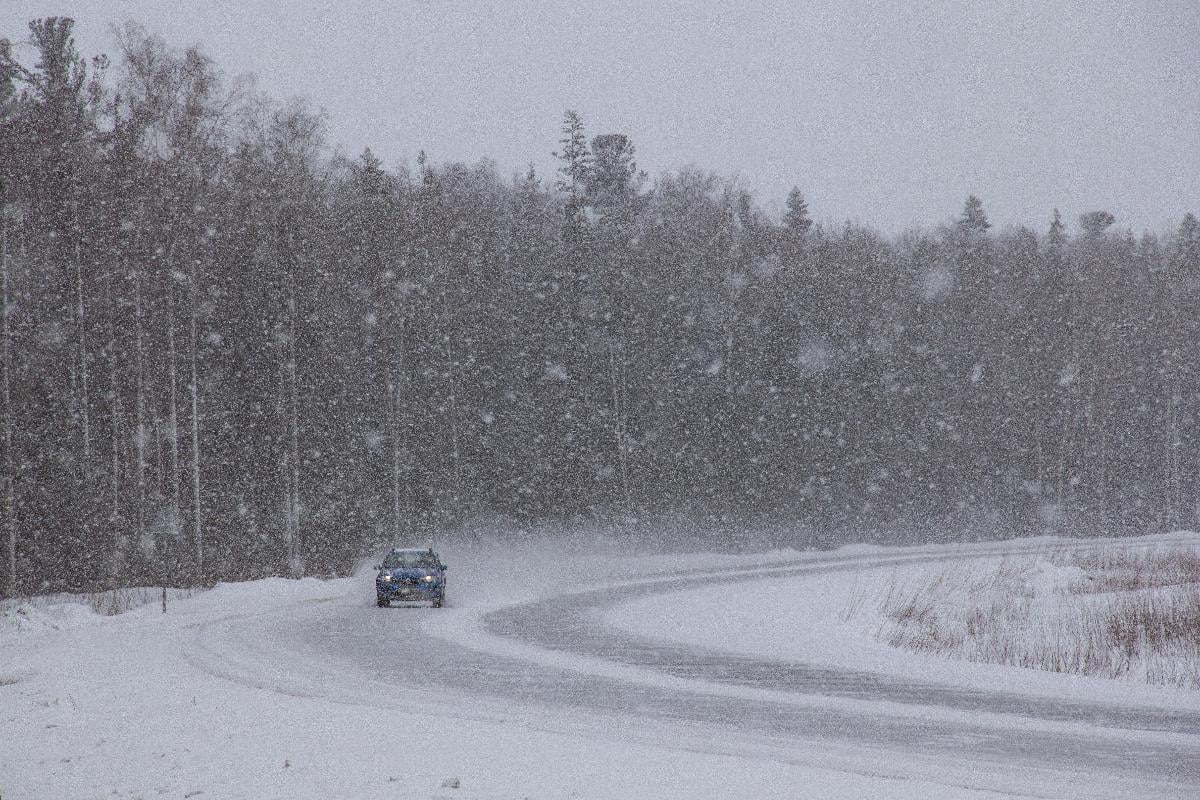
{"type": "Point", "coordinates": [303, 689]}
{"type": "Point", "coordinates": [840, 618]}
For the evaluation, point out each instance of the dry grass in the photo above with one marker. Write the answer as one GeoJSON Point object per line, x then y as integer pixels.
{"type": "Point", "coordinates": [118, 601]}
{"type": "Point", "coordinates": [1108, 612]}
{"type": "Point", "coordinates": [108, 603]}
{"type": "Point", "coordinates": [1115, 570]}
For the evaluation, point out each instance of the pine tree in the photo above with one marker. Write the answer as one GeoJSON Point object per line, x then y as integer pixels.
{"type": "Point", "coordinates": [796, 219]}
{"type": "Point", "coordinates": [613, 175]}
{"type": "Point", "coordinates": [1056, 235]}
{"type": "Point", "coordinates": [1095, 223]}
{"type": "Point", "coordinates": [1187, 245]}
{"type": "Point", "coordinates": [575, 171]}
{"type": "Point", "coordinates": [973, 220]}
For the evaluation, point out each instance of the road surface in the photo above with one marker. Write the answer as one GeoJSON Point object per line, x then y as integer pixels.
{"type": "Point", "coordinates": [548, 663]}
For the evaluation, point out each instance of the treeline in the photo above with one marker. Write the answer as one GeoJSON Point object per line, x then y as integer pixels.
{"type": "Point", "coordinates": [228, 353]}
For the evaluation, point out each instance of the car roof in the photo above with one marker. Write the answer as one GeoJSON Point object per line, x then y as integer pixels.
{"type": "Point", "coordinates": [421, 550]}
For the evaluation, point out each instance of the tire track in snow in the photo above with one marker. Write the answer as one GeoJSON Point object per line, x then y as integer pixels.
{"type": "Point", "coordinates": [532, 661]}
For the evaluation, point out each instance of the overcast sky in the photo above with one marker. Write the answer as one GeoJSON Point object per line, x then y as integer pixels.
{"type": "Point", "coordinates": [882, 114]}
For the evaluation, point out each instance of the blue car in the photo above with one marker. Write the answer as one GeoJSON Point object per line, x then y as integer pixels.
{"type": "Point", "coordinates": [411, 576]}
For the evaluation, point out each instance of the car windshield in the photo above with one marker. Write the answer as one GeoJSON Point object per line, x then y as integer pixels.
{"type": "Point", "coordinates": [409, 558]}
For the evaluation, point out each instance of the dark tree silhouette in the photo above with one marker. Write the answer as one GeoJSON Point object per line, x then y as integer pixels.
{"type": "Point", "coordinates": [226, 352]}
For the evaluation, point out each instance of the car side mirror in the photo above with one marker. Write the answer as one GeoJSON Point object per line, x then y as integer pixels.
{"type": "Point", "coordinates": [444, 568]}
{"type": "Point", "coordinates": [378, 567]}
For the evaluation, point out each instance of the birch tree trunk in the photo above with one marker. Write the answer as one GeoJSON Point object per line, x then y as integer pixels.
{"type": "Point", "coordinates": [115, 407]}
{"type": "Point", "coordinates": [397, 415]}
{"type": "Point", "coordinates": [81, 329]}
{"type": "Point", "coordinates": [287, 405]}
{"type": "Point", "coordinates": [297, 565]}
{"type": "Point", "coordinates": [1061, 483]}
{"type": "Point", "coordinates": [285, 473]}
{"type": "Point", "coordinates": [160, 473]}
{"type": "Point", "coordinates": [1089, 424]}
{"type": "Point", "coordinates": [1173, 442]}
{"type": "Point", "coordinates": [1102, 468]}
{"type": "Point", "coordinates": [194, 388]}
{"type": "Point", "coordinates": [10, 523]}
{"type": "Point", "coordinates": [617, 381]}
{"type": "Point", "coordinates": [452, 410]}
{"type": "Point", "coordinates": [173, 395]}
{"type": "Point", "coordinates": [140, 429]}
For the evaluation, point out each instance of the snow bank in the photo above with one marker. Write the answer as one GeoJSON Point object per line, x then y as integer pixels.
{"type": "Point", "coordinates": [26, 619]}
{"type": "Point", "coordinates": [846, 618]}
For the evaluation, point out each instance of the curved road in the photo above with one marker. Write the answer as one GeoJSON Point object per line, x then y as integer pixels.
{"type": "Point", "coordinates": [550, 659]}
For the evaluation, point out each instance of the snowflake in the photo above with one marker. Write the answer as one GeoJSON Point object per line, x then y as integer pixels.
{"type": "Point", "coordinates": [1068, 374]}
{"type": "Point", "coordinates": [937, 282]}
{"type": "Point", "coordinates": [814, 358]}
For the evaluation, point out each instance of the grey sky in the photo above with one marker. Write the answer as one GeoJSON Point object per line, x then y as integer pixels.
{"type": "Point", "coordinates": [886, 114]}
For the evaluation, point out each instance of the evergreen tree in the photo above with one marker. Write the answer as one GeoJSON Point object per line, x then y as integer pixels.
{"type": "Point", "coordinates": [1095, 223]}
{"type": "Point", "coordinates": [613, 173]}
{"type": "Point", "coordinates": [973, 220]}
{"type": "Point", "coordinates": [1188, 245]}
{"type": "Point", "coordinates": [796, 218]}
{"type": "Point", "coordinates": [575, 169]}
{"type": "Point", "coordinates": [229, 352]}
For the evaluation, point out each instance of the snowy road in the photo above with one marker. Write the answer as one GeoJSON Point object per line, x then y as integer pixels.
{"type": "Point", "coordinates": [535, 684]}
{"type": "Point", "coordinates": [549, 664]}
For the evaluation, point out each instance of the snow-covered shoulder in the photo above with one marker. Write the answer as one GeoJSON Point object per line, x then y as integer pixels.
{"type": "Point", "coordinates": [916, 619]}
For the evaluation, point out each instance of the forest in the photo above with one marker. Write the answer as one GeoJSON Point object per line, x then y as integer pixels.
{"type": "Point", "coordinates": [229, 350]}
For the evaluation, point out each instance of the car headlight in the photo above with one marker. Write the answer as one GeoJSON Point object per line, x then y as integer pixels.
{"type": "Point", "coordinates": [387, 577]}
{"type": "Point", "coordinates": [428, 578]}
